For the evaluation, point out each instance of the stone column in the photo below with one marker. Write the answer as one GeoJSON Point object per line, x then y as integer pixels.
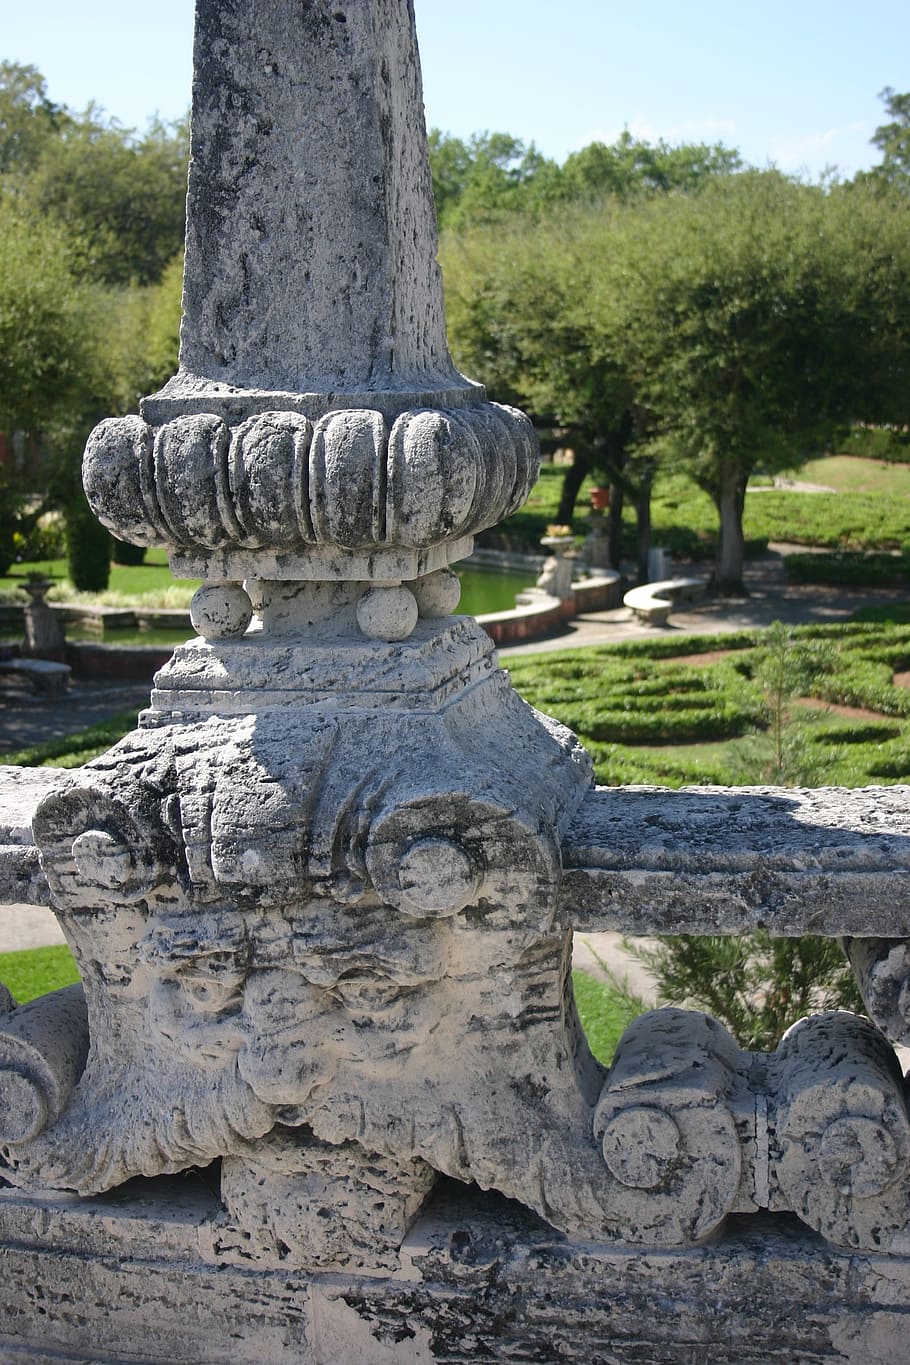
{"type": "Point", "coordinates": [317, 429]}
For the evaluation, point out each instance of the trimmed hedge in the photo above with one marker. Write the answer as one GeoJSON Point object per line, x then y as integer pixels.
{"type": "Point", "coordinates": [851, 569]}
{"type": "Point", "coordinates": [621, 699]}
{"type": "Point", "coordinates": [88, 548]}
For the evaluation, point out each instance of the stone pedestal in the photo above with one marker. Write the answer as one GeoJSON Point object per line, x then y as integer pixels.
{"type": "Point", "coordinates": [44, 637]}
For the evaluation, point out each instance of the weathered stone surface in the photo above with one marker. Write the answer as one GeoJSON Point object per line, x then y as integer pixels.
{"type": "Point", "coordinates": [21, 789]}
{"type": "Point", "coordinates": [21, 792]}
{"type": "Point", "coordinates": [278, 483]}
{"type": "Point", "coordinates": [840, 1134]}
{"type": "Point", "coordinates": [882, 970]}
{"type": "Point", "coordinates": [713, 860]}
{"type": "Point", "coordinates": [316, 413]}
{"type": "Point", "coordinates": [149, 1275]}
{"type": "Point", "coordinates": [322, 899]}
{"type": "Point", "coordinates": [332, 915]}
{"type": "Point", "coordinates": [665, 1119]}
{"type": "Point", "coordinates": [323, 1204]}
{"type": "Point", "coordinates": [42, 1053]}
{"type": "Point", "coordinates": [311, 241]}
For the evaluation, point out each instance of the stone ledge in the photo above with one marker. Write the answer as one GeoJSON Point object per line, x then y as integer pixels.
{"type": "Point", "coordinates": [727, 860]}
{"type": "Point", "coordinates": [138, 1275]}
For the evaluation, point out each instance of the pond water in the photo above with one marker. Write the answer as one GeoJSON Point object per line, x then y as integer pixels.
{"type": "Point", "coordinates": [485, 590]}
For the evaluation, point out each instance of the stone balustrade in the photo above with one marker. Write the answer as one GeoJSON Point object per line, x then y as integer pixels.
{"type": "Point", "coordinates": [323, 1092]}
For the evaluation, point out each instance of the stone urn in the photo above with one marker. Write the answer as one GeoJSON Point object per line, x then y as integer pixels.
{"type": "Point", "coordinates": [44, 637]}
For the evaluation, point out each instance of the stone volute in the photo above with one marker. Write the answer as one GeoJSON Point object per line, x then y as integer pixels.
{"type": "Point", "coordinates": [317, 429]}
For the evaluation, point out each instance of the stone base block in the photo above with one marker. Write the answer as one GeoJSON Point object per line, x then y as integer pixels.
{"type": "Point", "coordinates": [143, 1275]}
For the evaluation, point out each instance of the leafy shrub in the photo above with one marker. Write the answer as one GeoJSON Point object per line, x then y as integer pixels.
{"type": "Point", "coordinates": [689, 724]}
{"type": "Point", "coordinates": [44, 540]}
{"type": "Point", "coordinates": [857, 734]}
{"type": "Point", "coordinates": [754, 984]}
{"type": "Point", "coordinates": [72, 750]}
{"type": "Point", "coordinates": [879, 443]}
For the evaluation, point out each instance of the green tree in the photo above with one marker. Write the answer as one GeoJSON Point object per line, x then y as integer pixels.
{"type": "Point", "coordinates": [754, 984]}
{"type": "Point", "coordinates": [122, 196]}
{"type": "Point", "coordinates": [47, 357]}
{"type": "Point", "coordinates": [91, 225]}
{"type": "Point", "coordinates": [533, 307]}
{"type": "Point", "coordinates": [893, 141]}
{"type": "Point", "coordinates": [517, 303]}
{"type": "Point", "coordinates": [759, 317]}
{"type": "Point", "coordinates": [495, 175]}
{"type": "Point", "coordinates": [490, 176]}
{"type": "Point", "coordinates": [632, 166]}
{"type": "Point", "coordinates": [44, 343]}
{"type": "Point", "coordinates": [28, 119]}
{"type": "Point", "coordinates": [162, 337]}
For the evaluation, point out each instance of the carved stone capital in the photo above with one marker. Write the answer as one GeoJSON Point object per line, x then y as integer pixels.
{"type": "Point", "coordinates": [318, 495]}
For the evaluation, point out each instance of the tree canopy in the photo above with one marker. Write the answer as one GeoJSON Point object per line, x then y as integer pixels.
{"type": "Point", "coordinates": [91, 220]}
{"type": "Point", "coordinates": [893, 141]}
{"type": "Point", "coordinates": [494, 176]}
{"type": "Point", "coordinates": [720, 332]}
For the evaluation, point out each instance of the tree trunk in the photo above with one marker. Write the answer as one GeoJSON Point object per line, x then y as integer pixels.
{"type": "Point", "coordinates": [573, 478]}
{"type": "Point", "coordinates": [614, 526]}
{"type": "Point", "coordinates": [643, 529]}
{"type": "Point", "coordinates": [730, 500]}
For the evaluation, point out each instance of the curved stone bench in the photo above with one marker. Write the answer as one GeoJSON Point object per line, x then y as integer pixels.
{"type": "Point", "coordinates": [653, 602]}
{"type": "Point", "coordinates": [43, 675]}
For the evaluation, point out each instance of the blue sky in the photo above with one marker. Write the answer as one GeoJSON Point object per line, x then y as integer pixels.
{"type": "Point", "coordinates": [791, 83]}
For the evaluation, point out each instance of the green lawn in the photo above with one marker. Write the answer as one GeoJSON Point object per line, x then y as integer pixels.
{"type": "Point", "coordinates": [605, 1012]}
{"type": "Point", "coordinates": [849, 474]}
{"type": "Point", "coordinates": [37, 970]}
{"type": "Point", "coordinates": [871, 510]}
{"type": "Point", "coordinates": [73, 750]}
{"type": "Point", "coordinates": [150, 584]}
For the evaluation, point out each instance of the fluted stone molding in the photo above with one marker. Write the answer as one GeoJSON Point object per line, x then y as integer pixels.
{"type": "Point", "coordinates": [293, 499]}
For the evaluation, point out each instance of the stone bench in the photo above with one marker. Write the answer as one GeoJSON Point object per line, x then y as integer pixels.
{"type": "Point", "coordinates": [45, 677]}
{"type": "Point", "coordinates": [653, 602]}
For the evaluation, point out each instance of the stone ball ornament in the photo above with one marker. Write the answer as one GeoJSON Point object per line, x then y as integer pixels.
{"type": "Point", "coordinates": [387, 612]}
{"type": "Point", "coordinates": [103, 859]}
{"type": "Point", "coordinates": [221, 611]}
{"type": "Point", "coordinates": [437, 594]}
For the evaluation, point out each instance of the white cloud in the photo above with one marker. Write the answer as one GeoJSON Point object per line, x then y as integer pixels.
{"type": "Point", "coordinates": [811, 149]}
